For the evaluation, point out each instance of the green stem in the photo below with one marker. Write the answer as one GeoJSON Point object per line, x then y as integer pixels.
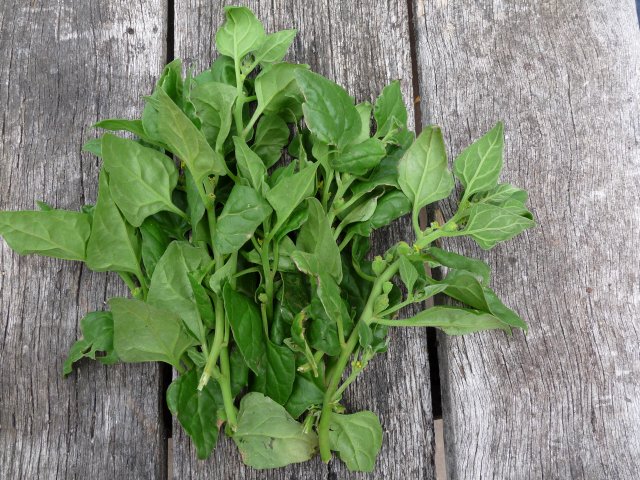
{"type": "Point", "coordinates": [133, 288]}
{"type": "Point", "coordinates": [338, 369]}
{"type": "Point", "coordinates": [225, 386]}
{"type": "Point", "coordinates": [237, 112]}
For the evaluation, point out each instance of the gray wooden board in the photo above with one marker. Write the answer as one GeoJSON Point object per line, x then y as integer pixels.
{"type": "Point", "coordinates": [564, 400]}
{"type": "Point", "coordinates": [63, 66]}
{"type": "Point", "coordinates": [362, 45]}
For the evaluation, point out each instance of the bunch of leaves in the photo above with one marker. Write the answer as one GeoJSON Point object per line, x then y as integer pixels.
{"type": "Point", "coordinates": [238, 209]}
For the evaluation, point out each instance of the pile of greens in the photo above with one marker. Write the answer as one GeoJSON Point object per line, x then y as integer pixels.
{"type": "Point", "coordinates": [239, 213]}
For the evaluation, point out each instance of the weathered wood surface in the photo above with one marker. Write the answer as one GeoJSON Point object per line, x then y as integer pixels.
{"type": "Point", "coordinates": [362, 45]}
{"type": "Point", "coordinates": [564, 400]}
{"type": "Point", "coordinates": [64, 65]}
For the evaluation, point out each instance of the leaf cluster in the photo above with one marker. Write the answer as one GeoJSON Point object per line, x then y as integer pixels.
{"type": "Point", "coordinates": [238, 209]}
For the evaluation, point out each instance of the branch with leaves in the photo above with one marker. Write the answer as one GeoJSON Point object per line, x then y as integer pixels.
{"type": "Point", "coordinates": [251, 275]}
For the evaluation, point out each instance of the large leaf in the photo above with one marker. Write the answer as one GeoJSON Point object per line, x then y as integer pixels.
{"type": "Point", "coordinates": [459, 262]}
{"type": "Point", "coordinates": [489, 224]}
{"type": "Point", "coordinates": [166, 123]}
{"type": "Point", "coordinates": [54, 233]}
{"type": "Point", "coordinates": [214, 103]}
{"type": "Point", "coordinates": [268, 437]}
{"type": "Point", "coordinates": [196, 410]}
{"type": "Point", "coordinates": [144, 333]}
{"type": "Point", "coordinates": [272, 134]}
{"type": "Point", "coordinates": [276, 380]}
{"type": "Point", "coordinates": [453, 320]}
{"type": "Point", "coordinates": [358, 159]}
{"type": "Point", "coordinates": [246, 323]}
{"type": "Point", "coordinates": [243, 212]}
{"type": "Point", "coordinates": [171, 287]}
{"type": "Point", "coordinates": [478, 166]}
{"type": "Point", "coordinates": [287, 194]}
{"type": "Point", "coordinates": [329, 111]}
{"type": "Point", "coordinates": [390, 111]}
{"type": "Point", "coordinates": [357, 438]}
{"type": "Point", "coordinates": [422, 171]}
{"type": "Point", "coordinates": [277, 91]}
{"type": "Point", "coordinates": [141, 179]}
{"type": "Point", "coordinates": [240, 34]}
{"type": "Point", "coordinates": [97, 336]}
{"type": "Point", "coordinates": [113, 244]}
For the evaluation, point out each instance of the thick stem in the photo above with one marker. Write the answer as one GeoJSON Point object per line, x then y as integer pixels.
{"type": "Point", "coordinates": [338, 369]}
{"type": "Point", "coordinates": [225, 386]}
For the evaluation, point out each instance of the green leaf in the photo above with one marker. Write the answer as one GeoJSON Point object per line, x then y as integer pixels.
{"type": "Point", "coordinates": [202, 301]}
{"type": "Point", "coordinates": [155, 241]}
{"type": "Point", "coordinates": [195, 205]}
{"type": "Point", "coordinates": [268, 437]}
{"type": "Point", "coordinates": [97, 336]}
{"type": "Point", "coordinates": [287, 194]}
{"type": "Point", "coordinates": [364, 110]}
{"type": "Point", "coordinates": [196, 410]}
{"type": "Point", "coordinates": [170, 81]}
{"type": "Point", "coordinates": [501, 194]}
{"type": "Point", "coordinates": [275, 47]}
{"type": "Point", "coordinates": [459, 262]}
{"type": "Point", "coordinates": [316, 239]}
{"type": "Point", "coordinates": [361, 212]}
{"type": "Point", "coordinates": [489, 225]}
{"type": "Point", "coordinates": [113, 244]}
{"type": "Point", "coordinates": [360, 158]}
{"type": "Point", "coordinates": [478, 166]}
{"type": "Point", "coordinates": [166, 123]}
{"type": "Point", "coordinates": [329, 111]}
{"type": "Point", "coordinates": [332, 302]}
{"type": "Point", "coordinates": [422, 171]}
{"type": "Point", "coordinates": [239, 372]}
{"type": "Point", "coordinates": [408, 273]}
{"type": "Point", "coordinates": [240, 34]}
{"type": "Point", "coordinates": [250, 165]}
{"type": "Point", "coordinates": [122, 125]}
{"type": "Point", "coordinates": [390, 111]}
{"type": "Point", "coordinates": [453, 320]}
{"type": "Point", "coordinates": [306, 393]}
{"type": "Point", "coordinates": [322, 331]}
{"type": "Point", "coordinates": [277, 91]}
{"type": "Point", "coordinates": [144, 333]}
{"type": "Point", "coordinates": [272, 134]}
{"type": "Point", "coordinates": [276, 380]}
{"type": "Point", "coordinates": [171, 289]}
{"type": "Point", "coordinates": [54, 233]}
{"type": "Point", "coordinates": [390, 206]}
{"type": "Point", "coordinates": [357, 438]}
{"type": "Point", "coordinates": [141, 179]}
{"type": "Point", "coordinates": [93, 146]}
{"type": "Point", "coordinates": [243, 212]}
{"type": "Point", "coordinates": [214, 104]}
{"type": "Point", "coordinates": [246, 323]}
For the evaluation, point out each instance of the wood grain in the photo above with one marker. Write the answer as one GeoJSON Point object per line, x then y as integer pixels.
{"type": "Point", "coordinates": [564, 400]}
{"type": "Point", "coordinates": [64, 65]}
{"type": "Point", "coordinates": [361, 45]}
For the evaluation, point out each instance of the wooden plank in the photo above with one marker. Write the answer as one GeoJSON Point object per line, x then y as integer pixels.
{"type": "Point", "coordinates": [361, 45]}
{"type": "Point", "coordinates": [64, 65]}
{"type": "Point", "coordinates": [562, 401]}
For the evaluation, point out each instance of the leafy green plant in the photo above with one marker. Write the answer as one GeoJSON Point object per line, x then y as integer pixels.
{"type": "Point", "coordinates": [249, 273]}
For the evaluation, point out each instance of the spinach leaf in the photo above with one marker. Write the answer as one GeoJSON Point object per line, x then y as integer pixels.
{"type": "Point", "coordinates": [276, 381]}
{"type": "Point", "coordinates": [390, 111]}
{"type": "Point", "coordinates": [489, 225]}
{"type": "Point", "coordinates": [240, 34]}
{"type": "Point", "coordinates": [214, 103]}
{"type": "Point", "coordinates": [357, 438]}
{"type": "Point", "coordinates": [97, 336]}
{"type": "Point", "coordinates": [306, 393]}
{"type": "Point", "coordinates": [275, 47]}
{"type": "Point", "coordinates": [287, 194]}
{"type": "Point", "coordinates": [360, 158]}
{"type": "Point", "coordinates": [272, 134]}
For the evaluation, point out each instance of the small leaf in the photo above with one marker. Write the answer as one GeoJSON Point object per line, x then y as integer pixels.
{"type": "Point", "coordinates": [214, 103]}
{"type": "Point", "coordinates": [250, 165]}
{"type": "Point", "coordinates": [390, 111]}
{"type": "Point", "coordinates": [275, 47]}
{"type": "Point", "coordinates": [357, 438]}
{"type": "Point", "coordinates": [329, 111]}
{"type": "Point", "coordinates": [390, 206]}
{"type": "Point", "coordinates": [422, 171]}
{"type": "Point", "coordinates": [243, 212]}
{"type": "Point", "coordinates": [97, 336]}
{"type": "Point", "coordinates": [287, 194]}
{"type": "Point", "coordinates": [364, 110]}
{"type": "Point", "coordinates": [155, 241]}
{"type": "Point", "coordinates": [478, 166]}
{"type": "Point", "coordinates": [196, 410]}
{"type": "Point", "coordinates": [268, 437]}
{"type": "Point", "coordinates": [272, 134]}
{"type": "Point", "coordinates": [489, 225]}
{"type": "Point", "coordinates": [54, 233]}
{"type": "Point", "coordinates": [276, 381]}
{"type": "Point", "coordinates": [408, 273]}
{"type": "Point", "coordinates": [240, 34]}
{"type": "Point", "coordinates": [246, 323]}
{"type": "Point", "coordinates": [144, 333]}
{"type": "Point", "coordinates": [459, 262]}
{"type": "Point", "coordinates": [141, 179]}
{"type": "Point", "coordinates": [306, 393]}
{"type": "Point", "coordinates": [277, 91]}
